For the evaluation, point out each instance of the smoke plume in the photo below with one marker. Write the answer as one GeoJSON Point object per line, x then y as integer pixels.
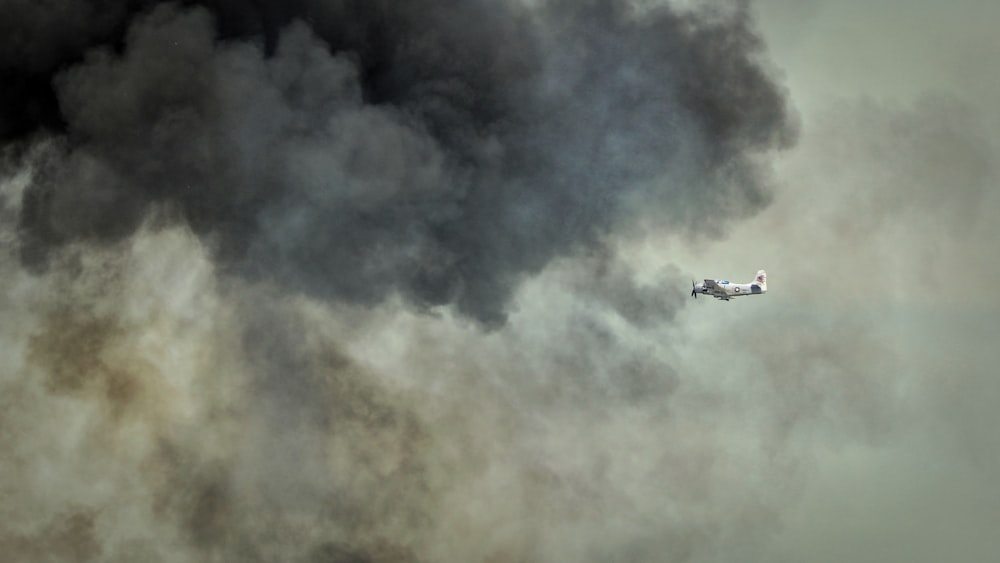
{"type": "Point", "coordinates": [439, 151]}
{"type": "Point", "coordinates": [339, 281]}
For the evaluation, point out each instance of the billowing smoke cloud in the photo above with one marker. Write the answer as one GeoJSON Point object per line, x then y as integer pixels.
{"type": "Point", "coordinates": [35, 40]}
{"type": "Point", "coordinates": [439, 151]}
{"type": "Point", "coordinates": [245, 246]}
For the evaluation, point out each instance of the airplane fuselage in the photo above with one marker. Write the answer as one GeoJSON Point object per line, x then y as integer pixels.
{"type": "Point", "coordinates": [726, 290]}
{"type": "Point", "coordinates": [723, 289]}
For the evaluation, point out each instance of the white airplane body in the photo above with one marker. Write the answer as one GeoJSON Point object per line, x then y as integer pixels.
{"type": "Point", "coordinates": [722, 289]}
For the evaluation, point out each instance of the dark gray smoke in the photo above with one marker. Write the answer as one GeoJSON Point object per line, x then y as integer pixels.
{"type": "Point", "coordinates": [225, 226]}
{"type": "Point", "coordinates": [36, 38]}
{"type": "Point", "coordinates": [439, 150]}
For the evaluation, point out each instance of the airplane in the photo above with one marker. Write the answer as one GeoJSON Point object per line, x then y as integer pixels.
{"type": "Point", "coordinates": [722, 289]}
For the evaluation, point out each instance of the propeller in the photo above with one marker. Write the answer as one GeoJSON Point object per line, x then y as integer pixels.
{"type": "Point", "coordinates": [694, 293]}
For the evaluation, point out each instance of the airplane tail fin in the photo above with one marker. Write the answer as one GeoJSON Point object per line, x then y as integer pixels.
{"type": "Point", "coordinates": [761, 280]}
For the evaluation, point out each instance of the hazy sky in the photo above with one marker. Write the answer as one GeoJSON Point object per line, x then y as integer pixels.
{"type": "Point", "coordinates": [883, 224]}
{"type": "Point", "coordinates": [326, 282]}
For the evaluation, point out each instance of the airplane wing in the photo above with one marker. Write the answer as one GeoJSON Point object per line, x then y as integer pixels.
{"type": "Point", "coordinates": [716, 290]}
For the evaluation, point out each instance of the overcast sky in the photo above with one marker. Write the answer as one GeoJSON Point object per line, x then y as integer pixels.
{"type": "Point", "coordinates": [327, 283]}
{"type": "Point", "coordinates": [882, 228]}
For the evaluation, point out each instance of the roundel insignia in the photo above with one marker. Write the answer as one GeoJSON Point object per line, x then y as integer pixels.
{"type": "Point", "coordinates": [737, 289]}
